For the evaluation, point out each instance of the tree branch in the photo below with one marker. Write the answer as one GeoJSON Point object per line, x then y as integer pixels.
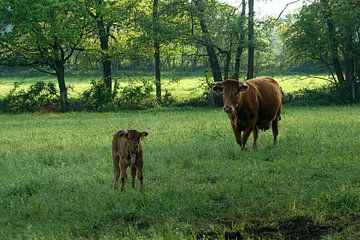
{"type": "Point", "coordinates": [285, 9]}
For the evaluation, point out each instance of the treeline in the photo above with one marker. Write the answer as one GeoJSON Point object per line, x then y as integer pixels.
{"type": "Point", "coordinates": [328, 32]}
{"type": "Point", "coordinates": [53, 36]}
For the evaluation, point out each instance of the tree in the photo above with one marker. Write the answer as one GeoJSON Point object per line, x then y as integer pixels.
{"type": "Point", "coordinates": [251, 47]}
{"type": "Point", "coordinates": [156, 49]}
{"type": "Point", "coordinates": [107, 17]}
{"type": "Point", "coordinates": [44, 35]}
{"type": "Point", "coordinates": [240, 44]}
{"type": "Point", "coordinates": [319, 34]}
{"type": "Point", "coordinates": [207, 42]}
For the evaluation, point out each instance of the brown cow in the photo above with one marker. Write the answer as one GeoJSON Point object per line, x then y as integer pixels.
{"type": "Point", "coordinates": [251, 105]}
{"type": "Point", "coordinates": [127, 150]}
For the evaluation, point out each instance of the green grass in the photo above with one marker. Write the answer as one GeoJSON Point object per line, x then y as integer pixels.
{"type": "Point", "coordinates": [57, 177]}
{"type": "Point", "coordinates": [180, 87]}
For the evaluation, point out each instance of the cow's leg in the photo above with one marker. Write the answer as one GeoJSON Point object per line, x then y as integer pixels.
{"type": "Point", "coordinates": [274, 127]}
{"type": "Point", "coordinates": [133, 174]}
{"type": "Point", "coordinates": [246, 134]}
{"type": "Point", "coordinates": [255, 135]}
{"type": "Point", "coordinates": [123, 175]}
{"type": "Point", "coordinates": [116, 159]}
{"type": "Point", "coordinates": [237, 134]}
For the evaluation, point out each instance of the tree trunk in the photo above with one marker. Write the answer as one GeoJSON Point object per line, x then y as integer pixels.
{"type": "Point", "coordinates": [227, 64]}
{"type": "Point", "coordinates": [240, 46]}
{"type": "Point", "coordinates": [214, 63]}
{"type": "Point", "coordinates": [349, 64]}
{"type": "Point", "coordinates": [105, 56]}
{"type": "Point", "coordinates": [333, 43]}
{"type": "Point", "coordinates": [157, 50]}
{"type": "Point", "coordinates": [60, 74]}
{"type": "Point", "coordinates": [251, 48]}
{"type": "Point", "coordinates": [239, 51]}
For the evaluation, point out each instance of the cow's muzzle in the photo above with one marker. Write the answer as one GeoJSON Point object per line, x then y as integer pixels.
{"type": "Point", "coordinates": [228, 109]}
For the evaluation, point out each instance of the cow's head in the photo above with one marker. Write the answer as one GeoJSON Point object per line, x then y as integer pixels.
{"type": "Point", "coordinates": [232, 90]}
{"type": "Point", "coordinates": [133, 138]}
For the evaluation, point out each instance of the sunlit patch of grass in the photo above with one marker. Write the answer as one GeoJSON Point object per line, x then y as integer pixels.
{"type": "Point", "coordinates": [292, 83]}
{"type": "Point", "coordinates": [181, 87]}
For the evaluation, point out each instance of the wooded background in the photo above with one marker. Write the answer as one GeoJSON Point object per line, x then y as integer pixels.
{"type": "Point", "coordinates": [57, 37]}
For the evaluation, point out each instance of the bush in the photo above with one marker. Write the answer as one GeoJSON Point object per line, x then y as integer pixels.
{"type": "Point", "coordinates": [98, 97]}
{"type": "Point", "coordinates": [334, 94]}
{"type": "Point", "coordinates": [136, 95]}
{"type": "Point", "coordinates": [40, 94]}
{"type": "Point", "coordinates": [167, 98]}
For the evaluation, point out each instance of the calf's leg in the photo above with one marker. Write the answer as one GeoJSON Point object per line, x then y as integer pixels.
{"type": "Point", "coordinates": [123, 175]}
{"type": "Point", "coordinates": [140, 176]}
{"type": "Point", "coordinates": [133, 174]}
{"type": "Point", "coordinates": [116, 171]}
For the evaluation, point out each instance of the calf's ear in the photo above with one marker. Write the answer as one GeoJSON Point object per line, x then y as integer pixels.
{"type": "Point", "coordinates": [124, 135]}
{"type": "Point", "coordinates": [143, 134]}
{"type": "Point", "coordinates": [243, 87]}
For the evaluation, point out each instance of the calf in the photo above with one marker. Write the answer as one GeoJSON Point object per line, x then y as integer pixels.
{"type": "Point", "coordinates": [127, 151]}
{"type": "Point", "coordinates": [251, 105]}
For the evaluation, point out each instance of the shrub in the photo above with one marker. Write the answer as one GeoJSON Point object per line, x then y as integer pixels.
{"type": "Point", "coordinates": [334, 94]}
{"type": "Point", "coordinates": [98, 97]}
{"type": "Point", "coordinates": [136, 95]}
{"type": "Point", "coordinates": [40, 94]}
{"type": "Point", "coordinates": [167, 98]}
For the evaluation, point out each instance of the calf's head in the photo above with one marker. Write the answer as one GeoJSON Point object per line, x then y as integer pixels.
{"type": "Point", "coordinates": [133, 138]}
{"type": "Point", "coordinates": [232, 90]}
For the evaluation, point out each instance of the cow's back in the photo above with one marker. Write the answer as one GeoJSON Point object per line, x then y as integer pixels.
{"type": "Point", "coordinates": [268, 94]}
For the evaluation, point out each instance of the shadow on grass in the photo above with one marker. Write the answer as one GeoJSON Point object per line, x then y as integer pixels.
{"type": "Point", "coordinates": [299, 227]}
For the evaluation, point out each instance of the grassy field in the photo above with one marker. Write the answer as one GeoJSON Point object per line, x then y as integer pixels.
{"type": "Point", "coordinates": [181, 87]}
{"type": "Point", "coordinates": [57, 177]}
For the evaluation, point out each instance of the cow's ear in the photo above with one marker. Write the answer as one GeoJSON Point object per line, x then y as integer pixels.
{"type": "Point", "coordinates": [217, 88]}
{"type": "Point", "coordinates": [124, 135]}
{"type": "Point", "coordinates": [143, 134]}
{"type": "Point", "coordinates": [243, 87]}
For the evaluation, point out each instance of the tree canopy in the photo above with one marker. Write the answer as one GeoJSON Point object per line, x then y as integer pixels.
{"type": "Point", "coordinates": [108, 34]}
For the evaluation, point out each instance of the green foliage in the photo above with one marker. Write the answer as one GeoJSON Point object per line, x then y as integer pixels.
{"type": "Point", "coordinates": [327, 32]}
{"type": "Point", "coordinates": [98, 97]}
{"type": "Point", "coordinates": [325, 95]}
{"type": "Point", "coordinates": [39, 94]}
{"type": "Point", "coordinates": [207, 95]}
{"type": "Point", "coordinates": [42, 32]}
{"type": "Point", "coordinates": [167, 99]}
{"type": "Point", "coordinates": [132, 95]}
{"type": "Point", "coordinates": [198, 184]}
{"type": "Point", "coordinates": [136, 95]}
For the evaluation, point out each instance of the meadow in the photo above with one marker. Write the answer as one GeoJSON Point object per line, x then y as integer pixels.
{"type": "Point", "coordinates": [180, 85]}
{"type": "Point", "coordinates": [57, 177]}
